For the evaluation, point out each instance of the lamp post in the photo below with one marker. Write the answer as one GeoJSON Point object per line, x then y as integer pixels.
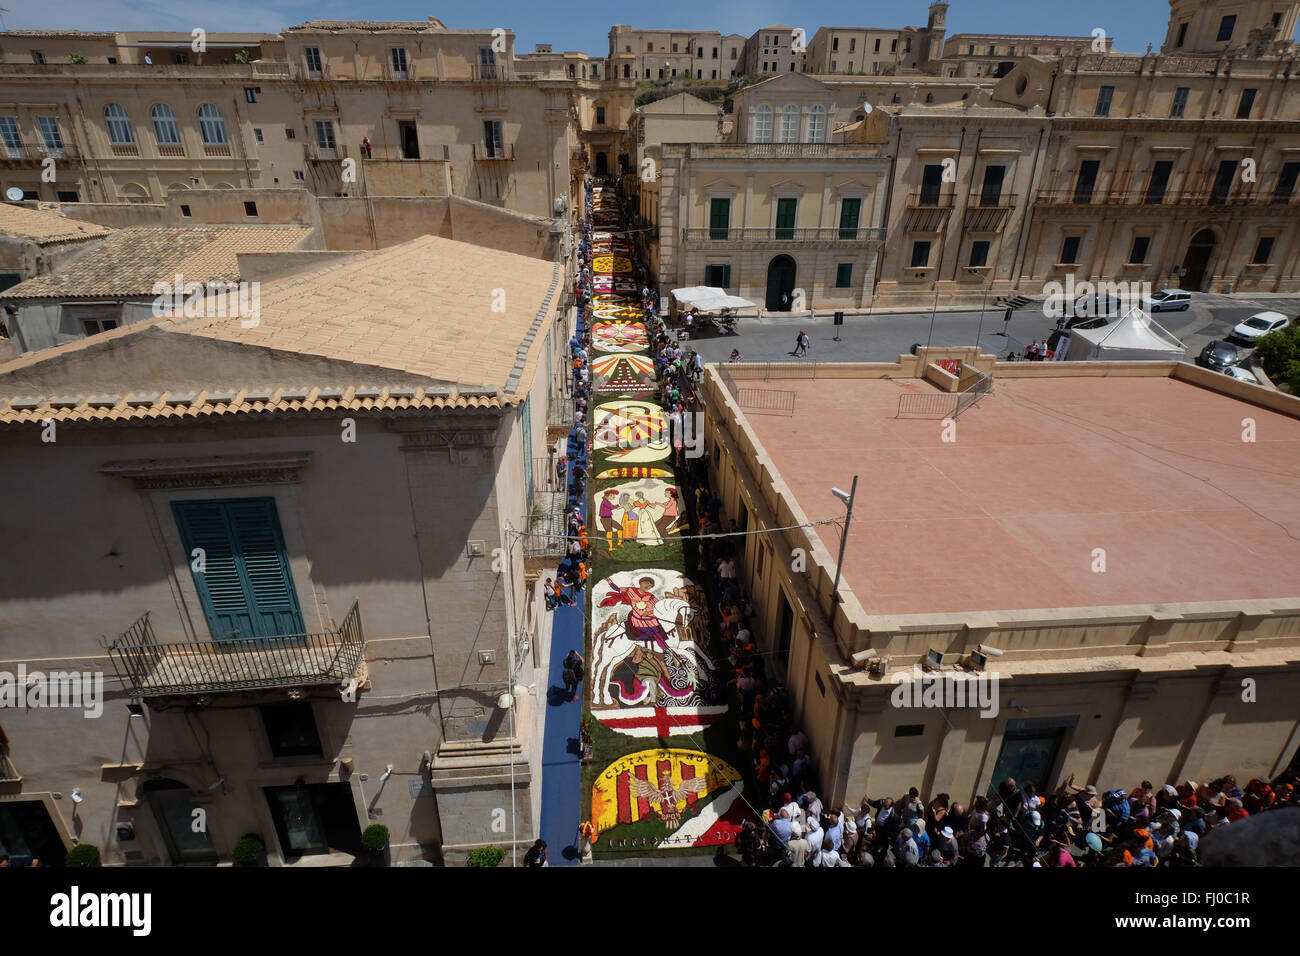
{"type": "Point", "coordinates": [848, 498]}
{"type": "Point", "coordinates": [930, 338]}
{"type": "Point", "coordinates": [983, 303]}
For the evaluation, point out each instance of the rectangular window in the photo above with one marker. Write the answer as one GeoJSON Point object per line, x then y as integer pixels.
{"type": "Point", "coordinates": [50, 135]}
{"type": "Point", "coordinates": [1263, 251]}
{"type": "Point", "coordinates": [1104, 96]}
{"type": "Point", "coordinates": [1160, 174]}
{"type": "Point", "coordinates": [95, 326]}
{"type": "Point", "coordinates": [931, 184]}
{"type": "Point", "coordinates": [1086, 182]}
{"type": "Point", "coordinates": [289, 133]}
{"type": "Point", "coordinates": [835, 43]}
{"type": "Point", "coordinates": [920, 254]}
{"type": "Point", "coordinates": [312, 55]}
{"type": "Point", "coordinates": [893, 46]}
{"type": "Point", "coordinates": [1246, 104]}
{"type": "Point", "coordinates": [717, 276]}
{"type": "Point", "coordinates": [979, 253]}
{"type": "Point", "coordinates": [182, 58]}
{"type": "Point", "coordinates": [1226, 26]}
{"type": "Point", "coordinates": [844, 275]}
{"type": "Point", "coordinates": [250, 94]}
{"type": "Point", "coordinates": [487, 63]}
{"type": "Point", "coordinates": [719, 218]}
{"type": "Point", "coordinates": [250, 208]}
{"type": "Point", "coordinates": [785, 218]}
{"type": "Point", "coordinates": [291, 729]}
{"type": "Point", "coordinates": [299, 175]}
{"type": "Point", "coordinates": [38, 57]}
{"type": "Point", "coordinates": [850, 214]}
{"type": "Point", "coordinates": [69, 195]}
{"type": "Point", "coordinates": [1138, 254]}
{"type": "Point", "coordinates": [991, 192]}
{"type": "Point", "coordinates": [257, 135]}
{"type": "Point", "coordinates": [325, 134]}
{"type": "Point", "coordinates": [1070, 250]}
{"type": "Point", "coordinates": [1223, 180]}
{"type": "Point", "coordinates": [1182, 34]}
{"type": "Point", "coordinates": [877, 49]}
{"type": "Point", "coordinates": [971, 50]}
{"type": "Point", "coordinates": [185, 211]}
{"type": "Point", "coordinates": [493, 139]}
{"type": "Point", "coordinates": [1286, 180]}
{"type": "Point", "coordinates": [600, 116]}
{"type": "Point", "coordinates": [9, 135]}
{"type": "Point", "coordinates": [1180, 102]}
{"type": "Point", "coordinates": [674, 47]}
{"type": "Point", "coordinates": [853, 44]}
{"type": "Point", "coordinates": [715, 53]}
{"type": "Point", "coordinates": [246, 588]}
{"type": "Point", "coordinates": [733, 52]}
{"type": "Point", "coordinates": [398, 56]}
{"type": "Point", "coordinates": [909, 730]}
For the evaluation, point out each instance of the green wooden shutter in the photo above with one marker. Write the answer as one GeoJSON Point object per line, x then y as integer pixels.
{"type": "Point", "coordinates": [719, 218]}
{"type": "Point", "coordinates": [850, 210]}
{"type": "Point", "coordinates": [246, 587]}
{"type": "Point", "coordinates": [785, 211]}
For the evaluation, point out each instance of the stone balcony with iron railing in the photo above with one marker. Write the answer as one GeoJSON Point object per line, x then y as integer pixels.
{"type": "Point", "coordinates": [835, 151]}
{"type": "Point", "coordinates": [1165, 197]}
{"type": "Point", "coordinates": [784, 235]}
{"type": "Point", "coordinates": [152, 668]}
{"type": "Point", "coordinates": [19, 154]}
{"type": "Point", "coordinates": [161, 71]}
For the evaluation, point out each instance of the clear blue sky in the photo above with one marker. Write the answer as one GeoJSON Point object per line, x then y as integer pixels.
{"type": "Point", "coordinates": [584, 25]}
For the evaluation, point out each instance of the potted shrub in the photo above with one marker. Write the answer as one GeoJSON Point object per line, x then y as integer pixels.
{"type": "Point", "coordinates": [375, 842]}
{"type": "Point", "coordinates": [249, 850]}
{"type": "Point", "coordinates": [486, 856]}
{"type": "Point", "coordinates": [585, 739]}
{"type": "Point", "coordinates": [83, 854]}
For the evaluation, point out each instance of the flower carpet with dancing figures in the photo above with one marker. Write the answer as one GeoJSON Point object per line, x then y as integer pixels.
{"type": "Point", "coordinates": [663, 734]}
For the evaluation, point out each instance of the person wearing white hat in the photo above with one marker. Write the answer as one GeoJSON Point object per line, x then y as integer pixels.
{"type": "Point", "coordinates": [797, 846]}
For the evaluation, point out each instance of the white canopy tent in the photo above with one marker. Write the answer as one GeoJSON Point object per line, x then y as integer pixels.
{"type": "Point", "coordinates": [1135, 337]}
{"type": "Point", "coordinates": [709, 299]}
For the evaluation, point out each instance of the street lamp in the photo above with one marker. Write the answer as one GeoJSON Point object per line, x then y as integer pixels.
{"type": "Point", "coordinates": [848, 497]}
{"type": "Point", "coordinates": [983, 303]}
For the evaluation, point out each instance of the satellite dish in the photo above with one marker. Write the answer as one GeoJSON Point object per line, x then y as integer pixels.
{"type": "Point", "coordinates": [866, 107]}
{"type": "Point", "coordinates": [14, 194]}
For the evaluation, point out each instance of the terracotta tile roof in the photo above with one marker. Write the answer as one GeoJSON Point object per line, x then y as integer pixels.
{"type": "Point", "coordinates": [46, 226]}
{"type": "Point", "coordinates": [419, 314]}
{"type": "Point", "coordinates": [424, 307]}
{"type": "Point", "coordinates": [132, 260]}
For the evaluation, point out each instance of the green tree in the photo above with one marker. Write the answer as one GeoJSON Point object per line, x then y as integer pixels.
{"type": "Point", "coordinates": [1279, 353]}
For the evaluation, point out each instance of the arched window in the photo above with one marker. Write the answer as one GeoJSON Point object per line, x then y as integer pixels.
{"type": "Point", "coordinates": [817, 124]}
{"type": "Point", "coordinates": [790, 124]}
{"type": "Point", "coordinates": [763, 124]}
{"type": "Point", "coordinates": [165, 130]}
{"type": "Point", "coordinates": [119, 125]}
{"type": "Point", "coordinates": [212, 126]}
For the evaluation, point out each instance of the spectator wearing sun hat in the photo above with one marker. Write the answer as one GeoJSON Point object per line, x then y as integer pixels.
{"type": "Point", "coordinates": [948, 850]}
{"type": "Point", "coordinates": [797, 845]}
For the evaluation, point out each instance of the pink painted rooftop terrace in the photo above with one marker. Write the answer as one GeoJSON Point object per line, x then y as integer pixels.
{"type": "Point", "coordinates": [1153, 471]}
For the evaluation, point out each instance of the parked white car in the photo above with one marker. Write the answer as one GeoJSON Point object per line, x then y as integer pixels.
{"type": "Point", "coordinates": [1241, 374]}
{"type": "Point", "coordinates": [1258, 325]}
{"type": "Point", "coordinates": [1167, 300]}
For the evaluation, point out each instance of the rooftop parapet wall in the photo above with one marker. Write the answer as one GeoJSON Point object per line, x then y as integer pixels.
{"type": "Point", "coordinates": [1033, 638]}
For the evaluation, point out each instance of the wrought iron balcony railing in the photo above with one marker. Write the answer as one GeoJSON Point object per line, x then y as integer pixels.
{"type": "Point", "coordinates": [1167, 197]}
{"type": "Point", "coordinates": [787, 234]}
{"type": "Point", "coordinates": [155, 669]}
